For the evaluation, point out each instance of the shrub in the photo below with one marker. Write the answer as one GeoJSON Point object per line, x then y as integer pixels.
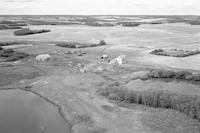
{"type": "Point", "coordinates": [161, 74]}
{"type": "Point", "coordinates": [182, 74]}
{"type": "Point", "coordinates": [158, 50]}
{"type": "Point", "coordinates": [154, 74]}
{"type": "Point", "coordinates": [189, 77]}
{"type": "Point", "coordinates": [196, 77]}
{"type": "Point", "coordinates": [167, 74]}
{"type": "Point", "coordinates": [114, 96]}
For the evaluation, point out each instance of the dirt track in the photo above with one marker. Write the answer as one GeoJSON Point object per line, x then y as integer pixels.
{"type": "Point", "coordinates": [77, 95]}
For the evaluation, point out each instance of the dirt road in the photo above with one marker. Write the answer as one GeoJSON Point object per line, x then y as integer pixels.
{"type": "Point", "coordinates": [84, 108]}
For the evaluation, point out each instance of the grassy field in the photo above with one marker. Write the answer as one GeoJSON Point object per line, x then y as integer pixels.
{"type": "Point", "coordinates": [61, 80]}
{"type": "Point", "coordinates": [126, 40]}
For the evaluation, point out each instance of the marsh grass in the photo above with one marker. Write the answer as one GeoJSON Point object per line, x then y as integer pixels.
{"type": "Point", "coordinates": [11, 55]}
{"type": "Point", "coordinates": [187, 104]}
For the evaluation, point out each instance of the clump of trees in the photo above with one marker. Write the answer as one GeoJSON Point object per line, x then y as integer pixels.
{"type": "Point", "coordinates": [80, 45]}
{"type": "Point", "coordinates": [5, 24]}
{"type": "Point", "coordinates": [187, 104]}
{"type": "Point", "coordinates": [102, 42]}
{"type": "Point", "coordinates": [27, 31]}
{"type": "Point", "coordinates": [174, 52]}
{"type": "Point", "coordinates": [5, 27]}
{"type": "Point", "coordinates": [129, 24]}
{"type": "Point", "coordinates": [194, 22]}
{"type": "Point", "coordinates": [11, 55]}
{"type": "Point", "coordinates": [70, 45]}
{"type": "Point", "coordinates": [12, 43]}
{"type": "Point", "coordinates": [162, 73]}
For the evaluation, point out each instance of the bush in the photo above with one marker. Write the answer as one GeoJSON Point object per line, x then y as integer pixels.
{"type": "Point", "coordinates": [187, 104]}
{"type": "Point", "coordinates": [157, 51]}
{"type": "Point", "coordinates": [196, 77]}
{"type": "Point", "coordinates": [189, 77]}
{"type": "Point", "coordinates": [154, 74]}
{"type": "Point", "coordinates": [167, 74]}
{"type": "Point", "coordinates": [182, 74]}
{"type": "Point", "coordinates": [114, 96]}
{"type": "Point", "coordinates": [161, 74]}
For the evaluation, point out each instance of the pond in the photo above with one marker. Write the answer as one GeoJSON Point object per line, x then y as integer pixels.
{"type": "Point", "coordinates": [24, 112]}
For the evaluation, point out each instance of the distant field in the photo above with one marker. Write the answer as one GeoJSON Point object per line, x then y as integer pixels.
{"type": "Point", "coordinates": [135, 42]}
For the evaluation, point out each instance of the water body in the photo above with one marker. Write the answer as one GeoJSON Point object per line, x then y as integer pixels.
{"type": "Point", "coordinates": [24, 112]}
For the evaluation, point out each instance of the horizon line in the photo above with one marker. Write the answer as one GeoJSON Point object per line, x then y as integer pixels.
{"type": "Point", "coordinates": [100, 14]}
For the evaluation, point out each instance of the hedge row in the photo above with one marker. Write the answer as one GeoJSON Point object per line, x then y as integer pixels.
{"type": "Point", "coordinates": [187, 104]}
{"type": "Point", "coordinates": [172, 74]}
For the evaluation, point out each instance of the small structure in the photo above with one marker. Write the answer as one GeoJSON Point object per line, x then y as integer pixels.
{"type": "Point", "coordinates": [118, 60]}
{"type": "Point", "coordinates": [103, 57]}
{"type": "Point", "coordinates": [43, 57]}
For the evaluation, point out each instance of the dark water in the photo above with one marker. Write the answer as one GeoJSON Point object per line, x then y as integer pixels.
{"type": "Point", "coordinates": [24, 112]}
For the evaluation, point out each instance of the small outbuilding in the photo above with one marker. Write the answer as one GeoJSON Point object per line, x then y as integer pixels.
{"type": "Point", "coordinates": [119, 60]}
{"type": "Point", "coordinates": [43, 57]}
{"type": "Point", "coordinates": [104, 56]}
